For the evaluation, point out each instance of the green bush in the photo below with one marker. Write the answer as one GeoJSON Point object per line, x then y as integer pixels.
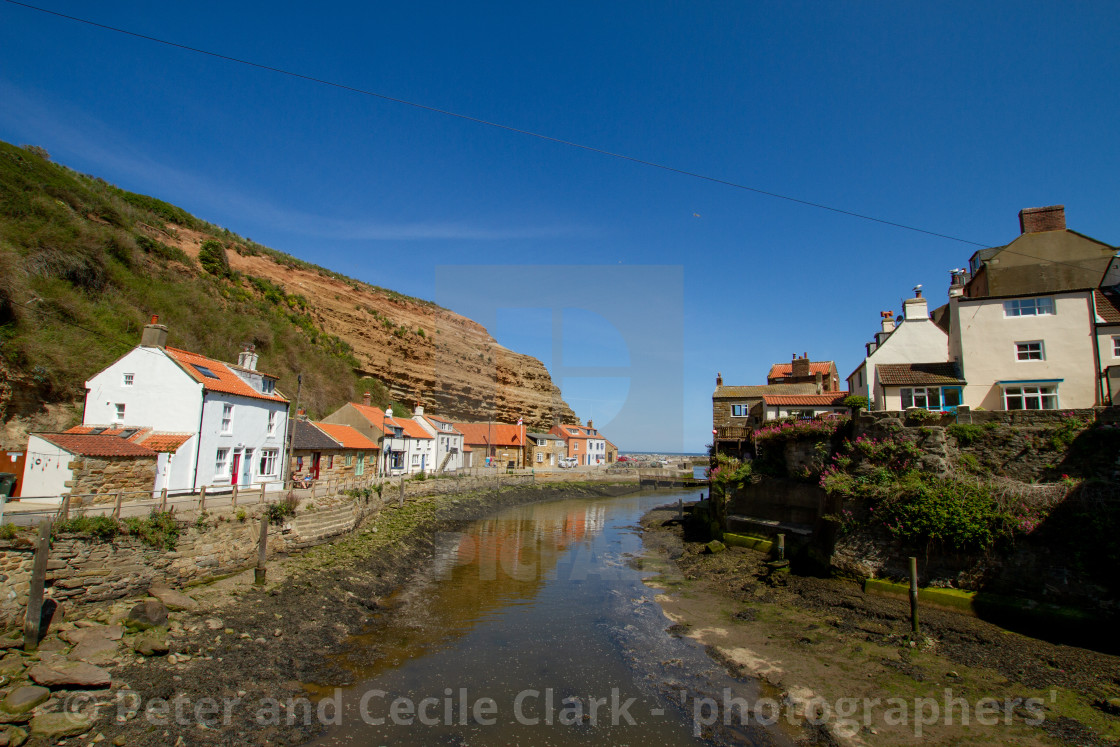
{"type": "Point", "coordinates": [856, 401]}
{"type": "Point", "coordinates": [96, 527]}
{"type": "Point", "coordinates": [159, 529]}
{"type": "Point", "coordinates": [967, 434]}
{"type": "Point", "coordinates": [212, 257]}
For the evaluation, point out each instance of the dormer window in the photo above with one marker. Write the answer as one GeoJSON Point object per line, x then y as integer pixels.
{"type": "Point", "coordinates": [268, 386]}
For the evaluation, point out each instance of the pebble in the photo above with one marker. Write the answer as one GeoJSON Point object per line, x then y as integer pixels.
{"type": "Point", "coordinates": [277, 633]}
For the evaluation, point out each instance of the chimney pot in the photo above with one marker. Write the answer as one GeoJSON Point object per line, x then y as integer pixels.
{"type": "Point", "coordinates": [719, 378]}
{"type": "Point", "coordinates": [366, 398]}
{"type": "Point", "coordinates": [1039, 219]}
{"type": "Point", "coordinates": [247, 358]}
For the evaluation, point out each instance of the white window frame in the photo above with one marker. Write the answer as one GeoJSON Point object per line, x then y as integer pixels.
{"type": "Point", "coordinates": [540, 457]}
{"type": "Point", "coordinates": [1116, 346]}
{"type": "Point", "coordinates": [120, 408]}
{"type": "Point", "coordinates": [415, 460]}
{"type": "Point", "coordinates": [272, 423]}
{"type": "Point", "coordinates": [1024, 351]}
{"type": "Point", "coordinates": [267, 466]}
{"type": "Point", "coordinates": [128, 379]}
{"type": "Point", "coordinates": [920, 397]}
{"type": "Point", "coordinates": [1037, 306]}
{"type": "Point", "coordinates": [227, 418]}
{"type": "Point", "coordinates": [221, 464]}
{"type": "Point", "coordinates": [268, 386]}
{"type": "Point", "coordinates": [744, 411]}
{"type": "Point", "coordinates": [1026, 394]}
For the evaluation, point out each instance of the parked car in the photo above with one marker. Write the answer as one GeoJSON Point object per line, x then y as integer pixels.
{"type": "Point", "coordinates": [568, 462]}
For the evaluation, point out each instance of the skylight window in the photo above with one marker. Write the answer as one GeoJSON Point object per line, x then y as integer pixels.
{"type": "Point", "coordinates": [204, 371]}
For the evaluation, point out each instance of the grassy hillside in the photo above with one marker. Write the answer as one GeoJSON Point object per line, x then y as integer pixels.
{"type": "Point", "coordinates": [82, 269]}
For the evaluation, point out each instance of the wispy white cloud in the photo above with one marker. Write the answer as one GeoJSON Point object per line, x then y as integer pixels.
{"type": "Point", "coordinates": [75, 137]}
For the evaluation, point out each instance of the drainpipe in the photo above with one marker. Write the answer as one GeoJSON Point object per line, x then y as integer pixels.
{"type": "Point", "coordinates": [198, 446]}
{"type": "Point", "coordinates": [1096, 347]}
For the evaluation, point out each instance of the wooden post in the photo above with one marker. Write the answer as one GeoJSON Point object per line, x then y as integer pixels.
{"type": "Point", "coordinates": [117, 505]}
{"type": "Point", "coordinates": [65, 511]}
{"type": "Point", "coordinates": [263, 486]}
{"type": "Point", "coordinates": [233, 498]}
{"type": "Point", "coordinates": [680, 509]}
{"type": "Point", "coordinates": [401, 502]}
{"type": "Point", "coordinates": [262, 551]}
{"type": "Point", "coordinates": [202, 499]}
{"type": "Point", "coordinates": [914, 595]}
{"type": "Point", "coordinates": [32, 622]}
{"type": "Point", "coordinates": [163, 500]}
{"type": "Point", "coordinates": [781, 547]}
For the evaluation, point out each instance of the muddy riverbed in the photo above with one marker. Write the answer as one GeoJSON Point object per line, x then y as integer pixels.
{"type": "Point", "coordinates": [849, 657]}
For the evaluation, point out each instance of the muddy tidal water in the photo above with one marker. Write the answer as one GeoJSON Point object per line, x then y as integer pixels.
{"type": "Point", "coordinates": [534, 627]}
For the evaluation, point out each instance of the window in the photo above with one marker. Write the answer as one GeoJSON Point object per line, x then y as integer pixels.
{"type": "Point", "coordinates": [1028, 307]}
{"type": "Point", "coordinates": [227, 418]}
{"type": "Point", "coordinates": [1029, 351]}
{"type": "Point", "coordinates": [330, 462]}
{"type": "Point", "coordinates": [120, 412]}
{"type": "Point", "coordinates": [415, 460]}
{"type": "Point", "coordinates": [540, 457]}
{"type": "Point", "coordinates": [1030, 397]}
{"type": "Point", "coordinates": [268, 386]}
{"type": "Point", "coordinates": [221, 463]}
{"type": "Point", "coordinates": [360, 467]}
{"type": "Point", "coordinates": [575, 445]}
{"type": "Point", "coordinates": [926, 398]}
{"type": "Point", "coordinates": [268, 462]}
{"type": "Point", "coordinates": [128, 379]}
{"type": "Point", "coordinates": [1116, 346]}
{"type": "Point", "coordinates": [739, 411]}
{"type": "Point", "coordinates": [349, 460]}
{"type": "Point", "coordinates": [204, 371]}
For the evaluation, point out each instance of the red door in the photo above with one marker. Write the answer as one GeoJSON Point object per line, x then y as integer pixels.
{"type": "Point", "coordinates": [315, 465]}
{"type": "Point", "coordinates": [236, 468]}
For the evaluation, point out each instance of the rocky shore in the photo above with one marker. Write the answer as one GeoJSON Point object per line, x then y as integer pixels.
{"type": "Point", "coordinates": [846, 663]}
{"type": "Point", "coordinates": [228, 662]}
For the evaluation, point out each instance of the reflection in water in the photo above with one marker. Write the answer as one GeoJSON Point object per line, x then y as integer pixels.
{"type": "Point", "coordinates": [530, 628]}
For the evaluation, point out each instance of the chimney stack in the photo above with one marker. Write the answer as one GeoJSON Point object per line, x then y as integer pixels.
{"type": "Point", "coordinates": [301, 414]}
{"type": "Point", "coordinates": [418, 411]}
{"type": "Point", "coordinates": [719, 378]}
{"type": "Point", "coordinates": [957, 280]}
{"type": "Point", "coordinates": [1039, 219]}
{"type": "Point", "coordinates": [154, 334]}
{"type": "Point", "coordinates": [887, 320]}
{"type": "Point", "coordinates": [247, 358]}
{"type": "Point", "coordinates": [820, 382]}
{"type": "Point", "coordinates": [800, 367]}
{"type": "Point", "coordinates": [590, 423]}
{"type": "Point", "coordinates": [366, 398]}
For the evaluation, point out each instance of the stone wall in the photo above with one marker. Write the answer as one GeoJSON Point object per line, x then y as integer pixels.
{"type": "Point", "coordinates": [102, 477]}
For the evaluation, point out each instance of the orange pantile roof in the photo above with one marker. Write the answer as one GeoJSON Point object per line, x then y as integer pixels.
{"type": "Point", "coordinates": [580, 431]}
{"type": "Point", "coordinates": [100, 445]}
{"type": "Point", "coordinates": [828, 399]}
{"type": "Point", "coordinates": [146, 437]}
{"type": "Point", "coordinates": [348, 437]}
{"type": "Point", "coordinates": [410, 427]}
{"type": "Point", "coordinates": [224, 379]}
{"type": "Point", "coordinates": [492, 434]}
{"type": "Point", "coordinates": [778, 370]}
{"type": "Point", "coordinates": [375, 415]}
{"type": "Point", "coordinates": [164, 442]}
{"type": "Point", "coordinates": [433, 419]}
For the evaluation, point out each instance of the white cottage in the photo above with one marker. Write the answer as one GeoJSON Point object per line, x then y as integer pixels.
{"type": "Point", "coordinates": [235, 418]}
{"type": "Point", "coordinates": [447, 449]}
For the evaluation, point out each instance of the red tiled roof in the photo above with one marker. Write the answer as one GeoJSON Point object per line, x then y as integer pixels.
{"type": "Point", "coordinates": [149, 439]}
{"type": "Point", "coordinates": [779, 370]}
{"type": "Point", "coordinates": [164, 442]}
{"type": "Point", "coordinates": [579, 431]}
{"type": "Point", "coordinates": [1108, 306]}
{"type": "Point", "coordinates": [434, 419]}
{"type": "Point", "coordinates": [347, 436]}
{"type": "Point", "coordinates": [905, 374]}
{"type": "Point", "coordinates": [828, 399]}
{"type": "Point", "coordinates": [87, 444]}
{"type": "Point", "coordinates": [225, 381]}
{"type": "Point", "coordinates": [502, 434]}
{"type": "Point", "coordinates": [375, 415]}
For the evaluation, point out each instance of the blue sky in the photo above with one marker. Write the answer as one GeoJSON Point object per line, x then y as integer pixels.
{"type": "Point", "coordinates": [945, 116]}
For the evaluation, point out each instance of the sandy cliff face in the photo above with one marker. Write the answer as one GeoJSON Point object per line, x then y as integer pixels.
{"type": "Point", "coordinates": [422, 352]}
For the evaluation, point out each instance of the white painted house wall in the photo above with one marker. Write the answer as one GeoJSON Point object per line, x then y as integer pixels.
{"type": "Point", "coordinates": [984, 337]}
{"type": "Point", "coordinates": [162, 395]}
{"type": "Point", "coordinates": [444, 442]}
{"type": "Point", "coordinates": [916, 339]}
{"type": "Point", "coordinates": [46, 470]}
{"type": "Point", "coordinates": [248, 436]}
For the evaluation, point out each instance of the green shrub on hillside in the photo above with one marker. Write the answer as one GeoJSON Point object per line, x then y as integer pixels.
{"type": "Point", "coordinates": [212, 257]}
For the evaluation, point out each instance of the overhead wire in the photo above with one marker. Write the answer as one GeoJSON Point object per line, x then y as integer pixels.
{"type": "Point", "coordinates": [529, 133]}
